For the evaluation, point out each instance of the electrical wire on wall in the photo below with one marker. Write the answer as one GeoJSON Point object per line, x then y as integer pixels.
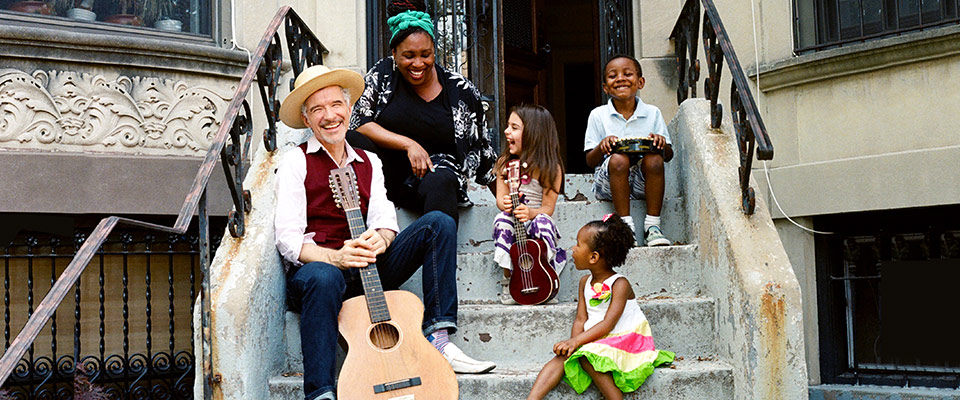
{"type": "Point", "coordinates": [766, 171]}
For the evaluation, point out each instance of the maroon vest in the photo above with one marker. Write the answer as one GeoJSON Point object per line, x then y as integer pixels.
{"type": "Point", "coordinates": [324, 218]}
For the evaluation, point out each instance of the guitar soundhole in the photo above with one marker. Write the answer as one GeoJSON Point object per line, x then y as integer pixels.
{"type": "Point", "coordinates": [384, 336]}
{"type": "Point", "coordinates": [525, 261]}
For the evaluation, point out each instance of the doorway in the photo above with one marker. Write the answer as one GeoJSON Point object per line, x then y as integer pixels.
{"type": "Point", "coordinates": [550, 58]}
{"type": "Point", "coordinates": [553, 53]}
{"type": "Point", "coordinates": [546, 52]}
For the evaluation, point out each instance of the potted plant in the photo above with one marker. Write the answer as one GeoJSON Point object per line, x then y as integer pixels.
{"type": "Point", "coordinates": [128, 13]}
{"type": "Point", "coordinates": [82, 11]}
{"type": "Point", "coordinates": [167, 21]}
{"type": "Point", "coordinates": [31, 7]}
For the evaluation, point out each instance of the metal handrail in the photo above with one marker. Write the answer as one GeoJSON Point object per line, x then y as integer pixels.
{"type": "Point", "coordinates": [265, 66]}
{"type": "Point", "coordinates": [747, 123]}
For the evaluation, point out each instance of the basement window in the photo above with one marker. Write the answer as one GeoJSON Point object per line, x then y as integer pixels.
{"type": "Point", "coordinates": [886, 293]}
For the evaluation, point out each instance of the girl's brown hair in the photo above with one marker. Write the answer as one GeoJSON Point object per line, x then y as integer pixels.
{"type": "Point", "coordinates": [541, 148]}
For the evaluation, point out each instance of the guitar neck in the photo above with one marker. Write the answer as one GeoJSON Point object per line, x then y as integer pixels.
{"type": "Point", "coordinates": [372, 289]}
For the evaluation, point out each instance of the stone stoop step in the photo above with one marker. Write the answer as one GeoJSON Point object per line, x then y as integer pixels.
{"type": "Point", "coordinates": [475, 230]}
{"type": "Point", "coordinates": [668, 270]}
{"type": "Point", "coordinates": [519, 335]}
{"type": "Point", "coordinates": [685, 380]}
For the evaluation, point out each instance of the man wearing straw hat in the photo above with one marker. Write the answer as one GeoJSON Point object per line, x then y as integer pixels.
{"type": "Point", "coordinates": [314, 239]}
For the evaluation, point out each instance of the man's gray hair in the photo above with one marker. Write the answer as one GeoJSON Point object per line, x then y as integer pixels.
{"type": "Point", "coordinates": [346, 96]}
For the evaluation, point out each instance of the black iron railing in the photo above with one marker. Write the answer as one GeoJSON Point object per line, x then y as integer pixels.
{"type": "Point", "coordinates": [304, 49]}
{"type": "Point", "coordinates": [746, 118]}
{"type": "Point", "coordinates": [142, 347]}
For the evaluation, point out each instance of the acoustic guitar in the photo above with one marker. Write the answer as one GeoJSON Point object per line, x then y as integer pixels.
{"type": "Point", "coordinates": [533, 280]}
{"type": "Point", "coordinates": [388, 357]}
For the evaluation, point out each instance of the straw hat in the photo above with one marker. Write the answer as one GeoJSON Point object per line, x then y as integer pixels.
{"type": "Point", "coordinates": [311, 80]}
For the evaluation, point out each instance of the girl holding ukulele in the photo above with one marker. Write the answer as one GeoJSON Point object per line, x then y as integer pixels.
{"type": "Point", "coordinates": [531, 136]}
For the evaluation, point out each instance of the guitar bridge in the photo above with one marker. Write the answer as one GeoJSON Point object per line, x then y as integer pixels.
{"type": "Point", "coordinates": [403, 383]}
{"type": "Point", "coordinates": [530, 290]}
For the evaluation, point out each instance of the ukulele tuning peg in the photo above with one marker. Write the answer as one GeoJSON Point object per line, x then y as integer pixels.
{"type": "Point", "coordinates": [524, 165]}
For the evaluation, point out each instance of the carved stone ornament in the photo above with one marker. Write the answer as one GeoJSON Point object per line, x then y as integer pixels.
{"type": "Point", "coordinates": [73, 111]}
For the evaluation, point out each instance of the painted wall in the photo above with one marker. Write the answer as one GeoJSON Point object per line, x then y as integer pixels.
{"type": "Point", "coordinates": [868, 126]}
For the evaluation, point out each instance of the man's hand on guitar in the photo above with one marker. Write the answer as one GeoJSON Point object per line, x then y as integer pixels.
{"type": "Point", "coordinates": [606, 145]}
{"type": "Point", "coordinates": [658, 141]}
{"type": "Point", "coordinates": [373, 241]}
{"type": "Point", "coordinates": [356, 253]}
{"type": "Point", "coordinates": [522, 213]}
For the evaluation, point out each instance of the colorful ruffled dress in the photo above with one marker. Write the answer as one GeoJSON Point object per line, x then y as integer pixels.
{"type": "Point", "coordinates": [627, 352]}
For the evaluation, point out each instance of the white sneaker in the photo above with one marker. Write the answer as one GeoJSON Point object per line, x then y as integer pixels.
{"type": "Point", "coordinates": [462, 364]}
{"type": "Point", "coordinates": [505, 297]}
{"type": "Point", "coordinates": [654, 237]}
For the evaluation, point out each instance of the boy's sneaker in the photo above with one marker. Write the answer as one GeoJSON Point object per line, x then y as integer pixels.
{"type": "Point", "coordinates": [654, 237]}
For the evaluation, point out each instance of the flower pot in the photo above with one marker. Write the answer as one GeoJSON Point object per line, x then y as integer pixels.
{"type": "Point", "coordinates": [81, 14]}
{"type": "Point", "coordinates": [124, 19]}
{"type": "Point", "coordinates": [31, 7]}
{"type": "Point", "coordinates": [170, 25]}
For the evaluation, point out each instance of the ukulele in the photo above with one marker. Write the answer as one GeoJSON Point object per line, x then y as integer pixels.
{"type": "Point", "coordinates": [389, 358]}
{"type": "Point", "coordinates": [533, 280]}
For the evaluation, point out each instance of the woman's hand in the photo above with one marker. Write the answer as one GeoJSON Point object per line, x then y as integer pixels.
{"type": "Point", "coordinates": [566, 347]}
{"type": "Point", "coordinates": [606, 145]}
{"type": "Point", "coordinates": [420, 161]}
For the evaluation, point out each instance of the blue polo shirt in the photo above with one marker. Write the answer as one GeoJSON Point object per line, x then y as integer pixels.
{"type": "Point", "coordinates": [606, 121]}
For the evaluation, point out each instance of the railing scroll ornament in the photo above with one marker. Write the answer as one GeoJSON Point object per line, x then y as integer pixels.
{"type": "Point", "coordinates": [751, 133]}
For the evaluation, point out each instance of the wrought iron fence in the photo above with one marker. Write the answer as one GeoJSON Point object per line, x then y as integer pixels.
{"type": "Point", "coordinates": [751, 134]}
{"type": "Point", "coordinates": [142, 347]}
{"type": "Point", "coordinates": [304, 50]}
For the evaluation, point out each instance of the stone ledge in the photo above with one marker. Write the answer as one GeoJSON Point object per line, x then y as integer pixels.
{"type": "Point", "coordinates": [36, 182]}
{"type": "Point", "coordinates": [868, 392]}
{"type": "Point", "coordinates": [57, 46]}
{"type": "Point", "coordinates": [825, 187]}
{"type": "Point", "coordinates": [859, 58]}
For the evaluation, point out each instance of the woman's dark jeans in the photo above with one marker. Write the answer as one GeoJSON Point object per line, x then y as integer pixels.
{"type": "Point", "coordinates": [317, 290]}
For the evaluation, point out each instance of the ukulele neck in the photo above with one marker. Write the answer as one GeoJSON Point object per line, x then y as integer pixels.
{"type": "Point", "coordinates": [372, 289]}
{"type": "Point", "coordinates": [518, 230]}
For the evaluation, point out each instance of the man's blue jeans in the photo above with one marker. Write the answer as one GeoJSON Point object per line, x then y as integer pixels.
{"type": "Point", "coordinates": [317, 290]}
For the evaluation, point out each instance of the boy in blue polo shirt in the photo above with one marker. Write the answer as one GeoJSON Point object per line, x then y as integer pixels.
{"type": "Point", "coordinates": [625, 116]}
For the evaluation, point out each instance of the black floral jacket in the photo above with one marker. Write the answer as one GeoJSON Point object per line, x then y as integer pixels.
{"type": "Point", "coordinates": [475, 153]}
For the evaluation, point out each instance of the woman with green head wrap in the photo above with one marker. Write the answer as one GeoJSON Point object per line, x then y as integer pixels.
{"type": "Point", "coordinates": [426, 122]}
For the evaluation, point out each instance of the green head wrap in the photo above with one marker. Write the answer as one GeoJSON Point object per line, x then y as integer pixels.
{"type": "Point", "coordinates": [409, 19]}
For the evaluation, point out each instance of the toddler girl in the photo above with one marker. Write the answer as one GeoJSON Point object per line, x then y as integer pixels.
{"type": "Point", "coordinates": [610, 343]}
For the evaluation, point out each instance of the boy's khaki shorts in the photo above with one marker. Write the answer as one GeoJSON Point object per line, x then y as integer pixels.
{"type": "Point", "coordinates": [601, 181]}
